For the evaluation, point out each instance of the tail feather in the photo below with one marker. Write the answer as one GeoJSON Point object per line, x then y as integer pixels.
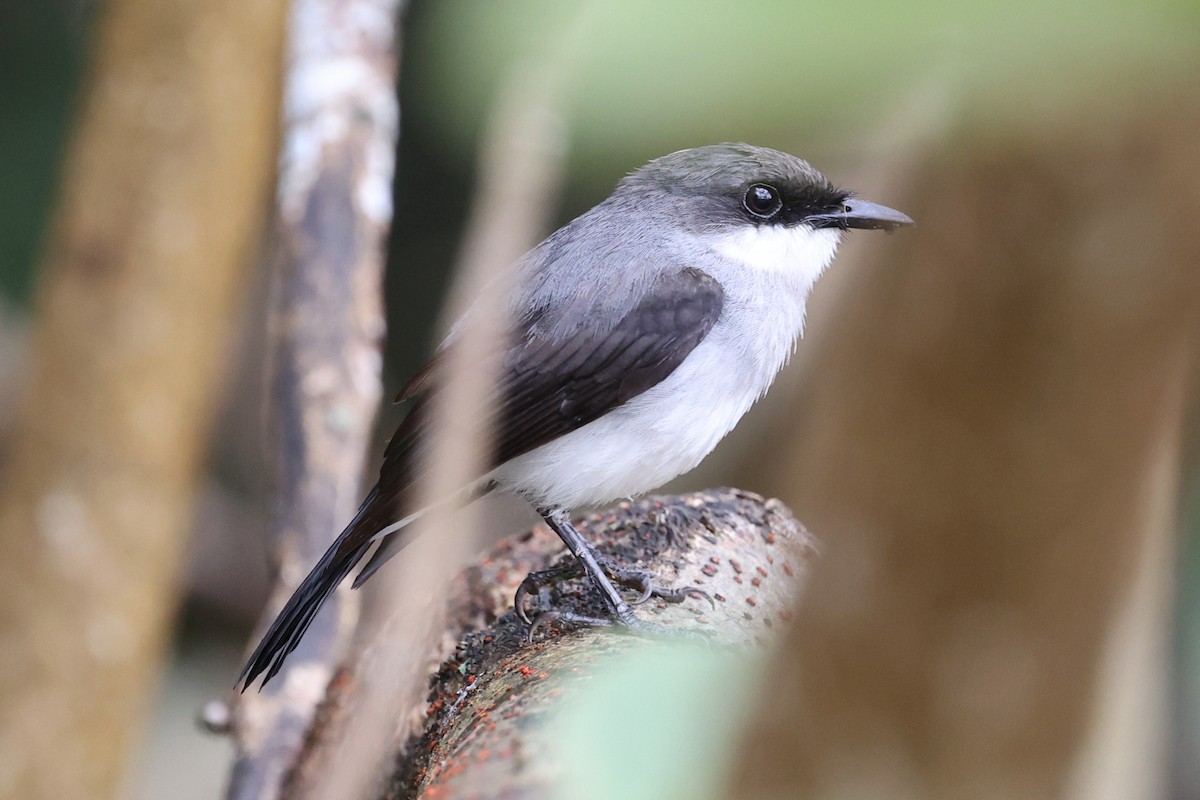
{"type": "Point", "coordinates": [368, 527]}
{"type": "Point", "coordinates": [298, 613]}
{"type": "Point", "coordinates": [390, 544]}
{"type": "Point", "coordinates": [397, 536]}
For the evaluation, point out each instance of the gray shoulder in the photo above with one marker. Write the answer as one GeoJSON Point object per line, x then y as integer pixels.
{"type": "Point", "coordinates": [592, 272]}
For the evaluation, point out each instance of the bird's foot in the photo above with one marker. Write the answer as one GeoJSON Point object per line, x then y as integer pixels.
{"type": "Point", "coordinates": [571, 620]}
{"type": "Point", "coordinates": [635, 580]}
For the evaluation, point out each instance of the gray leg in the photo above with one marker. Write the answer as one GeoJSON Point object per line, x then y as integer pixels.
{"type": "Point", "coordinates": [638, 580]}
{"type": "Point", "coordinates": [560, 522]}
{"type": "Point", "coordinates": [602, 575]}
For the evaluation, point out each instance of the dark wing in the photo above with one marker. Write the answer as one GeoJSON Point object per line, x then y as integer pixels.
{"type": "Point", "coordinates": [549, 386]}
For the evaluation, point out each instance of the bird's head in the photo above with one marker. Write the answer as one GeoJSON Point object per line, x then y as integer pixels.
{"type": "Point", "coordinates": [767, 209]}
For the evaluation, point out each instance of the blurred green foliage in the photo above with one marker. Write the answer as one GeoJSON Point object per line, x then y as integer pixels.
{"type": "Point", "coordinates": [642, 78]}
{"type": "Point", "coordinates": [41, 47]}
{"type": "Point", "coordinates": [646, 78]}
{"type": "Point", "coordinates": [643, 727]}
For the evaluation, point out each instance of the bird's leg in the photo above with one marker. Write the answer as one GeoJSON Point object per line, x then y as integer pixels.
{"type": "Point", "coordinates": [568, 568]}
{"type": "Point", "coordinates": [588, 562]}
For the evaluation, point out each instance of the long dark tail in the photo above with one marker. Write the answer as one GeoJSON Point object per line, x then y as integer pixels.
{"type": "Point", "coordinates": [298, 613]}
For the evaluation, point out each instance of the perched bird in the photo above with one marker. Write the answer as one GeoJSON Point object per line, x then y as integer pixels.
{"type": "Point", "coordinates": [641, 332]}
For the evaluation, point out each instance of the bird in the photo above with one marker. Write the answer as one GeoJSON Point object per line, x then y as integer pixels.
{"type": "Point", "coordinates": [639, 335]}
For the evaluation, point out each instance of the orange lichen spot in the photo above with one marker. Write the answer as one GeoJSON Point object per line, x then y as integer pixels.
{"type": "Point", "coordinates": [526, 670]}
{"type": "Point", "coordinates": [750, 601]}
{"type": "Point", "coordinates": [770, 538]}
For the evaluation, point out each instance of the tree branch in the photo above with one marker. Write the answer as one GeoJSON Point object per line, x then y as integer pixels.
{"type": "Point", "coordinates": [493, 691]}
{"type": "Point", "coordinates": [334, 211]}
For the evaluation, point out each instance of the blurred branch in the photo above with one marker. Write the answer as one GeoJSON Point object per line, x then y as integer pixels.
{"type": "Point", "coordinates": [335, 188]}
{"type": "Point", "coordinates": [521, 173]}
{"type": "Point", "coordinates": [993, 453]}
{"type": "Point", "coordinates": [161, 205]}
{"type": "Point", "coordinates": [520, 168]}
{"type": "Point", "coordinates": [14, 352]}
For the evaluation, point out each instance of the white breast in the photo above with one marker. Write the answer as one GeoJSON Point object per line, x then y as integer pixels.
{"type": "Point", "coordinates": [797, 250]}
{"type": "Point", "coordinates": [766, 274]}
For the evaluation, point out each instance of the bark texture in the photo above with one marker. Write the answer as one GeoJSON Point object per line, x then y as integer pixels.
{"type": "Point", "coordinates": [492, 691]}
{"type": "Point", "coordinates": [161, 204]}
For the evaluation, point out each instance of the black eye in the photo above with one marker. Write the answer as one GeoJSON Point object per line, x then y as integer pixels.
{"type": "Point", "coordinates": [762, 201]}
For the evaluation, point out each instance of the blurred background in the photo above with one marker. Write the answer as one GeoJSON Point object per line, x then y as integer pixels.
{"type": "Point", "coordinates": [990, 425]}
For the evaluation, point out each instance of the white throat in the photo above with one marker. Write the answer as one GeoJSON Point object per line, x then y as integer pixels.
{"type": "Point", "coordinates": [796, 250]}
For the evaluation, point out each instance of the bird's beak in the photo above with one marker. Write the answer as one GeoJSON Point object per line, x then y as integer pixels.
{"type": "Point", "coordinates": [862, 215]}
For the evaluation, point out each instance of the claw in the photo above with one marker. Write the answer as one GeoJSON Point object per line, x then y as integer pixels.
{"type": "Point", "coordinates": [683, 593]}
{"type": "Point", "coordinates": [647, 593]}
{"type": "Point", "coordinates": [569, 618]}
{"type": "Point", "coordinates": [523, 591]}
{"type": "Point", "coordinates": [534, 582]}
{"type": "Point", "coordinates": [637, 579]}
{"type": "Point", "coordinates": [544, 618]}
